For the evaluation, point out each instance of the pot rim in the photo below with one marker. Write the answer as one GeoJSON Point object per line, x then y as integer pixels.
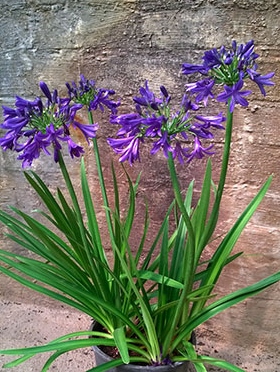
{"type": "Point", "coordinates": [107, 358]}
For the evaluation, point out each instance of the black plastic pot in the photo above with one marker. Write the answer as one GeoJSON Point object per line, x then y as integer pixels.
{"type": "Point", "coordinates": [101, 358]}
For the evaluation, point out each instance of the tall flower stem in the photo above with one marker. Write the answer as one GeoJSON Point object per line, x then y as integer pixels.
{"type": "Point", "coordinates": [212, 222]}
{"type": "Point", "coordinates": [101, 180]}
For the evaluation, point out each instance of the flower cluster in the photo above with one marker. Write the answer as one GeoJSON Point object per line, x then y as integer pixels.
{"type": "Point", "coordinates": [228, 68]}
{"type": "Point", "coordinates": [170, 131]}
{"type": "Point", "coordinates": [33, 127]}
{"type": "Point", "coordinates": [90, 96]}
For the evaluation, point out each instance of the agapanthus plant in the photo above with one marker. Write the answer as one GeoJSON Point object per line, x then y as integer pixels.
{"type": "Point", "coordinates": [146, 304]}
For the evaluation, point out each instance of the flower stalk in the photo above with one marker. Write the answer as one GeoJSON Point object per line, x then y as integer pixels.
{"type": "Point", "coordinates": [210, 227]}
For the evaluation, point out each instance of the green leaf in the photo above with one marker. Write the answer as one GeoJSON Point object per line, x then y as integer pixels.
{"type": "Point", "coordinates": [221, 256]}
{"type": "Point", "coordinates": [191, 353]}
{"type": "Point", "coordinates": [224, 303]}
{"type": "Point", "coordinates": [91, 217]}
{"type": "Point", "coordinates": [160, 279]}
{"type": "Point", "coordinates": [219, 363]}
{"type": "Point", "coordinates": [201, 210]}
{"type": "Point", "coordinates": [120, 340]}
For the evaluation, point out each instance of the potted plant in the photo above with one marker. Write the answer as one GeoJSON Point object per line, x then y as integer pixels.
{"type": "Point", "coordinates": [145, 306]}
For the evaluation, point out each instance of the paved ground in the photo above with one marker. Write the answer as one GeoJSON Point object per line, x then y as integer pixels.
{"type": "Point", "coordinates": [26, 325]}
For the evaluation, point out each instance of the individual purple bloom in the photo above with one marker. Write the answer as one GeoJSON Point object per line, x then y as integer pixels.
{"type": "Point", "coordinates": [234, 94]}
{"type": "Point", "coordinates": [180, 152]}
{"type": "Point", "coordinates": [200, 131]}
{"type": "Point", "coordinates": [212, 58]}
{"type": "Point", "coordinates": [15, 123]}
{"type": "Point", "coordinates": [102, 99]}
{"type": "Point", "coordinates": [153, 125]}
{"type": "Point", "coordinates": [69, 111]}
{"type": "Point", "coordinates": [212, 121]}
{"type": "Point", "coordinates": [32, 149]}
{"type": "Point", "coordinates": [202, 89]}
{"type": "Point", "coordinates": [163, 143]}
{"type": "Point", "coordinates": [199, 151]}
{"type": "Point", "coordinates": [131, 123]}
{"type": "Point", "coordinates": [202, 125]}
{"type": "Point", "coordinates": [188, 68]}
{"type": "Point", "coordinates": [187, 104]}
{"type": "Point", "coordinates": [45, 89]}
{"type": "Point", "coordinates": [127, 147]}
{"type": "Point", "coordinates": [147, 98]}
{"type": "Point", "coordinates": [74, 149]}
{"type": "Point", "coordinates": [26, 105]}
{"type": "Point", "coordinates": [247, 51]}
{"type": "Point", "coordinates": [8, 142]}
{"type": "Point", "coordinates": [54, 136]}
{"type": "Point", "coordinates": [164, 92]}
{"type": "Point", "coordinates": [262, 80]}
{"type": "Point", "coordinates": [228, 59]}
{"type": "Point", "coordinates": [88, 130]}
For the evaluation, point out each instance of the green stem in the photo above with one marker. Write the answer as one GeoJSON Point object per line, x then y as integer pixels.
{"type": "Point", "coordinates": [101, 181]}
{"type": "Point", "coordinates": [212, 222]}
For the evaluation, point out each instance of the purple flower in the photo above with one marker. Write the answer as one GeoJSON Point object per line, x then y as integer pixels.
{"type": "Point", "coordinates": [88, 130]}
{"type": "Point", "coordinates": [8, 142]}
{"type": "Point", "coordinates": [127, 147]}
{"type": "Point", "coordinates": [214, 121]}
{"type": "Point", "coordinates": [130, 123]}
{"type": "Point", "coordinates": [148, 98]}
{"type": "Point", "coordinates": [32, 126]}
{"type": "Point", "coordinates": [213, 58]}
{"type": "Point", "coordinates": [92, 97]}
{"type": "Point", "coordinates": [154, 125]}
{"type": "Point", "coordinates": [202, 89]}
{"type": "Point", "coordinates": [155, 120]}
{"type": "Point", "coordinates": [74, 149]}
{"type": "Point", "coordinates": [32, 148]}
{"type": "Point", "coordinates": [188, 105]}
{"type": "Point", "coordinates": [188, 68]}
{"type": "Point", "coordinates": [234, 95]}
{"type": "Point", "coordinates": [162, 143]}
{"type": "Point", "coordinates": [199, 151]}
{"type": "Point", "coordinates": [45, 89]}
{"type": "Point", "coordinates": [227, 67]}
{"type": "Point", "coordinates": [102, 99]}
{"type": "Point", "coordinates": [180, 152]}
{"type": "Point", "coordinates": [261, 80]}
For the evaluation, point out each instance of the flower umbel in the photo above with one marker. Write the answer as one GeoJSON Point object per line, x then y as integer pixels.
{"type": "Point", "coordinates": [169, 130]}
{"type": "Point", "coordinates": [227, 68]}
{"type": "Point", "coordinates": [87, 94]}
{"type": "Point", "coordinates": [33, 126]}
